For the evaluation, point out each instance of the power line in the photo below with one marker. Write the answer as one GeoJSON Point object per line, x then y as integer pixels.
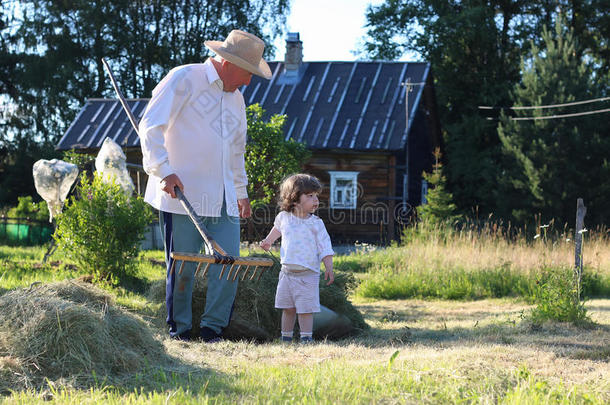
{"type": "Point", "coordinates": [482, 107]}
{"type": "Point", "coordinates": [548, 117]}
{"type": "Point", "coordinates": [560, 116]}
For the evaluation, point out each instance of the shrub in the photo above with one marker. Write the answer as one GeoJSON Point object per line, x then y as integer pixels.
{"type": "Point", "coordinates": [556, 298]}
{"type": "Point", "coordinates": [102, 229]}
{"type": "Point", "coordinates": [27, 208]}
{"type": "Point", "coordinates": [269, 157]}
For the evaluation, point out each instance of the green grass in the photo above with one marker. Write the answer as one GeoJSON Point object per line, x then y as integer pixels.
{"type": "Point", "coordinates": [314, 379]}
{"type": "Point", "coordinates": [22, 266]}
{"type": "Point", "coordinates": [328, 382]}
{"type": "Point", "coordinates": [460, 284]}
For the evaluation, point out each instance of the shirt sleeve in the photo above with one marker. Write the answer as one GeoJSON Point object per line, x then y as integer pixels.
{"type": "Point", "coordinates": [278, 222]}
{"type": "Point", "coordinates": [238, 164]}
{"type": "Point", "coordinates": [168, 98]}
{"type": "Point", "coordinates": [323, 242]}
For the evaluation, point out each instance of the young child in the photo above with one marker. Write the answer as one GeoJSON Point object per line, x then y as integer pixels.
{"type": "Point", "coordinates": [305, 243]}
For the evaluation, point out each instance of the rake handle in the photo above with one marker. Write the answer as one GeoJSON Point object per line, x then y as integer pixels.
{"type": "Point", "coordinates": [119, 94]}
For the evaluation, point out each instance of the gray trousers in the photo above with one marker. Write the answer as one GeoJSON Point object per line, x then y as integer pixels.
{"type": "Point", "coordinates": [180, 235]}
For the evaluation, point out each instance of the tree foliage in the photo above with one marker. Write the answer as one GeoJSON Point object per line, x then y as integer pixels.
{"type": "Point", "coordinates": [439, 207]}
{"type": "Point", "coordinates": [27, 208]}
{"type": "Point", "coordinates": [61, 45]}
{"type": "Point", "coordinates": [269, 157]}
{"type": "Point", "coordinates": [551, 163]}
{"type": "Point", "coordinates": [51, 53]}
{"type": "Point", "coordinates": [474, 62]}
{"type": "Point", "coordinates": [475, 49]}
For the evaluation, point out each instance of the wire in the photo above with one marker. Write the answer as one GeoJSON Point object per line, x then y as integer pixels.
{"type": "Point", "coordinates": [560, 116]}
{"type": "Point", "coordinates": [548, 117]}
{"type": "Point", "coordinates": [482, 107]}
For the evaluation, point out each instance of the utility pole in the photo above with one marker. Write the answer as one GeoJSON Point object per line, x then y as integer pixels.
{"type": "Point", "coordinates": [408, 85]}
{"type": "Point", "coordinates": [408, 88]}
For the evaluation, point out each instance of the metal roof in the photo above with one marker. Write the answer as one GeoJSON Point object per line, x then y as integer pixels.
{"type": "Point", "coordinates": [329, 105]}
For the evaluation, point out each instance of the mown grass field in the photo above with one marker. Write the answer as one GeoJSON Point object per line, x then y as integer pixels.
{"type": "Point", "coordinates": [460, 339]}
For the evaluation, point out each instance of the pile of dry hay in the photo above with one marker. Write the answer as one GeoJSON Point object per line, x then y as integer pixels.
{"type": "Point", "coordinates": [255, 316]}
{"type": "Point", "coordinates": [69, 331]}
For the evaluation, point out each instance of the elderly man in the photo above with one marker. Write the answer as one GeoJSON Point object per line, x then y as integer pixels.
{"type": "Point", "coordinates": [193, 135]}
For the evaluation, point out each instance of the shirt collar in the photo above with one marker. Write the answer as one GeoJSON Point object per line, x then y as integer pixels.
{"type": "Point", "coordinates": [212, 74]}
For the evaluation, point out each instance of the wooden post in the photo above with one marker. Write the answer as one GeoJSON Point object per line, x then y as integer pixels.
{"type": "Point", "coordinates": [581, 210]}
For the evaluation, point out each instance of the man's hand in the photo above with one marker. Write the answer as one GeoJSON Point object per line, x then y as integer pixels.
{"type": "Point", "coordinates": [330, 276]}
{"type": "Point", "coordinates": [245, 211]}
{"type": "Point", "coordinates": [168, 184]}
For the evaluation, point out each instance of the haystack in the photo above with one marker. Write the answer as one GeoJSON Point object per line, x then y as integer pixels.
{"type": "Point", "coordinates": [254, 314]}
{"type": "Point", "coordinates": [69, 331]}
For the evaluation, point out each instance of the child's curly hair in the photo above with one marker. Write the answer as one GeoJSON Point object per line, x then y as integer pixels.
{"type": "Point", "coordinates": [294, 186]}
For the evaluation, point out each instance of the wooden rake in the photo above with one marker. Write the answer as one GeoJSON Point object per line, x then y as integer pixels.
{"type": "Point", "coordinates": [218, 254]}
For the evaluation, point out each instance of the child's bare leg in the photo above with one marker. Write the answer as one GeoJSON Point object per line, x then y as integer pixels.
{"type": "Point", "coordinates": [289, 316]}
{"type": "Point", "coordinates": [306, 326]}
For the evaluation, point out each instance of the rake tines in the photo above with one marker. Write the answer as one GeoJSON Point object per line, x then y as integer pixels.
{"type": "Point", "coordinates": [238, 263]}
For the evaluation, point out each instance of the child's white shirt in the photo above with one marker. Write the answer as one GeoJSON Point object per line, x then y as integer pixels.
{"type": "Point", "coordinates": [304, 241]}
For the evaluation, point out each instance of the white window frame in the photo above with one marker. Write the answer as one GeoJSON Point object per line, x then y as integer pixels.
{"type": "Point", "coordinates": [344, 203]}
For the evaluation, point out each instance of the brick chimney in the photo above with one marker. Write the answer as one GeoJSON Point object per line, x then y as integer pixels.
{"type": "Point", "coordinates": [294, 53]}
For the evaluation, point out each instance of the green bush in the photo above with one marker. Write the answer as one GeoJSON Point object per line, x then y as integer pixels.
{"type": "Point", "coordinates": [269, 157]}
{"type": "Point", "coordinates": [101, 231]}
{"type": "Point", "coordinates": [27, 208]}
{"type": "Point", "coordinates": [557, 299]}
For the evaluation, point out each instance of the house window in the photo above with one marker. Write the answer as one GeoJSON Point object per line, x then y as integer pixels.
{"type": "Point", "coordinates": [343, 189]}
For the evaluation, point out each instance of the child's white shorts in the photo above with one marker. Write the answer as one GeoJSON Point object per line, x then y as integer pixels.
{"type": "Point", "coordinates": [298, 287]}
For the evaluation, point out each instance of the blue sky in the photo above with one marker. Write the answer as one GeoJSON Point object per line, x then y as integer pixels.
{"type": "Point", "coordinates": [329, 29]}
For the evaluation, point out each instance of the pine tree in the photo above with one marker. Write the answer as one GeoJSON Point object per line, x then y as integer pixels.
{"type": "Point", "coordinates": [439, 207]}
{"type": "Point", "coordinates": [552, 162]}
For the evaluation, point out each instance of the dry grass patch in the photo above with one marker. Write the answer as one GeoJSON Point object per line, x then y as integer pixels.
{"type": "Point", "coordinates": [70, 331]}
{"type": "Point", "coordinates": [471, 251]}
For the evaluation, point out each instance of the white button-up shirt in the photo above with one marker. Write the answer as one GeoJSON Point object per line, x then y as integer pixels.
{"type": "Point", "coordinates": [192, 128]}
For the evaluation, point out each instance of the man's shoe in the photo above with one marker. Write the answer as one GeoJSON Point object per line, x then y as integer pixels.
{"type": "Point", "coordinates": [208, 335]}
{"type": "Point", "coordinates": [184, 336]}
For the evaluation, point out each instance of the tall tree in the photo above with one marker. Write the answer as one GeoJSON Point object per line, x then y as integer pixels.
{"type": "Point", "coordinates": [475, 48]}
{"type": "Point", "coordinates": [65, 41]}
{"type": "Point", "coordinates": [51, 54]}
{"type": "Point", "coordinates": [552, 162]}
{"type": "Point", "coordinates": [474, 62]}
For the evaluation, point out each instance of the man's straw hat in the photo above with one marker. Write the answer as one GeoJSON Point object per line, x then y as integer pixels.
{"type": "Point", "coordinates": [244, 50]}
